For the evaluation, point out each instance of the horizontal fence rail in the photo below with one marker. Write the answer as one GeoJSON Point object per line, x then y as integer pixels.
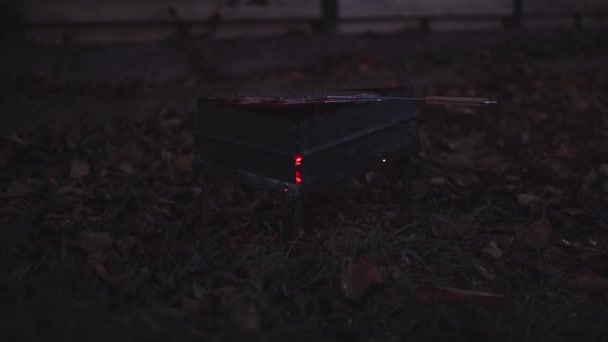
{"type": "Point", "coordinates": [155, 19]}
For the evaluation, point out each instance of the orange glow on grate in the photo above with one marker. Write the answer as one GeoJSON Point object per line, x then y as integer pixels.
{"type": "Point", "coordinates": [298, 178]}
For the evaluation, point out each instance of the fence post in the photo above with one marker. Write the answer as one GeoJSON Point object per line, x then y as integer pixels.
{"type": "Point", "coordinates": [578, 20]}
{"type": "Point", "coordinates": [329, 16]}
{"type": "Point", "coordinates": [514, 21]}
{"type": "Point", "coordinates": [12, 20]}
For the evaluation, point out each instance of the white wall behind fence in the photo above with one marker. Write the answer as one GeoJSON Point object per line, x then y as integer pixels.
{"type": "Point", "coordinates": [158, 11]}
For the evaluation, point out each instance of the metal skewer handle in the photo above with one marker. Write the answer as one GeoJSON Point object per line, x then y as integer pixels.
{"type": "Point", "coordinates": [433, 100]}
{"type": "Point", "coordinates": [458, 101]}
{"type": "Point", "coordinates": [321, 98]}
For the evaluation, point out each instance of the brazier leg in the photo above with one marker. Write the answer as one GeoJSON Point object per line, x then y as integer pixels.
{"type": "Point", "coordinates": [204, 201]}
{"type": "Point", "coordinates": [405, 182]}
{"type": "Point", "coordinates": [297, 217]}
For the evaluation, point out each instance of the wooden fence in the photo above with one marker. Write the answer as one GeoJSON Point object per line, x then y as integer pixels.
{"type": "Point", "coordinates": [155, 19]}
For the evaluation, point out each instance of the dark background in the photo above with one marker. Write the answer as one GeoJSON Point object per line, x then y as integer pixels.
{"type": "Point", "coordinates": [505, 236]}
{"type": "Point", "coordinates": [237, 45]}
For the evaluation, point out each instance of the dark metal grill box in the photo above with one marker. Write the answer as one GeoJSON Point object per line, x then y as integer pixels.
{"type": "Point", "coordinates": [282, 142]}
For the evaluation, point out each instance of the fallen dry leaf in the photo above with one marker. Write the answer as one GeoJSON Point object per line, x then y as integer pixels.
{"type": "Point", "coordinates": [370, 176]}
{"type": "Point", "coordinates": [603, 170]}
{"type": "Point", "coordinates": [450, 228]}
{"type": "Point", "coordinates": [16, 139]}
{"type": "Point", "coordinates": [464, 181]}
{"type": "Point", "coordinates": [128, 244]}
{"type": "Point", "coordinates": [190, 305]}
{"type": "Point", "coordinates": [5, 155]}
{"type": "Point", "coordinates": [484, 272]}
{"type": "Point", "coordinates": [94, 242]}
{"type": "Point", "coordinates": [591, 201]}
{"type": "Point", "coordinates": [246, 317]}
{"type": "Point", "coordinates": [530, 201]}
{"type": "Point", "coordinates": [536, 234]}
{"type": "Point", "coordinates": [247, 207]}
{"type": "Point", "coordinates": [16, 189]}
{"type": "Point", "coordinates": [65, 190]}
{"type": "Point", "coordinates": [16, 276]}
{"type": "Point", "coordinates": [491, 249]}
{"type": "Point", "coordinates": [591, 282]}
{"type": "Point", "coordinates": [79, 168]}
{"type": "Point", "coordinates": [439, 181]}
{"type": "Point", "coordinates": [183, 162]}
{"type": "Point", "coordinates": [431, 295]}
{"type": "Point", "coordinates": [101, 271]}
{"type": "Point", "coordinates": [134, 154]}
{"type": "Point", "coordinates": [419, 190]}
{"type": "Point", "coordinates": [126, 167]}
{"type": "Point", "coordinates": [208, 304]}
{"type": "Point", "coordinates": [401, 219]}
{"type": "Point", "coordinates": [357, 278]}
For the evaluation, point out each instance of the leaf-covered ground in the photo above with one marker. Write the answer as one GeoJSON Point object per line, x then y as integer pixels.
{"type": "Point", "coordinates": [505, 236]}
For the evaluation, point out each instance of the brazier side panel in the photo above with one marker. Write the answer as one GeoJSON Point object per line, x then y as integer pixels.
{"type": "Point", "coordinates": [236, 138]}
{"type": "Point", "coordinates": [351, 158]}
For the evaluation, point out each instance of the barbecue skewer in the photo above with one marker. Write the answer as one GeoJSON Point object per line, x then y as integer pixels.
{"type": "Point", "coordinates": [289, 99]}
{"type": "Point", "coordinates": [439, 100]}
